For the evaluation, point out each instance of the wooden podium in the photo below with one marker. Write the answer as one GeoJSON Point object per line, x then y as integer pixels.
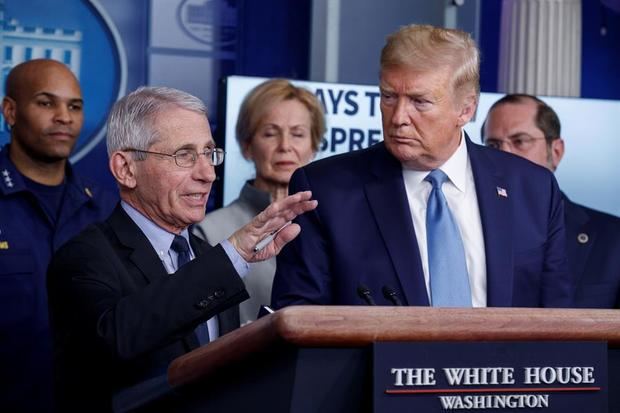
{"type": "Point", "coordinates": [318, 358]}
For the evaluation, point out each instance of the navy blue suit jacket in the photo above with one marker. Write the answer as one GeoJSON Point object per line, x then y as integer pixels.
{"type": "Point", "coordinates": [362, 233]}
{"type": "Point", "coordinates": [593, 245]}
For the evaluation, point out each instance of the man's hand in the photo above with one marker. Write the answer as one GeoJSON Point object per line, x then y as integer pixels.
{"type": "Point", "coordinates": [267, 223]}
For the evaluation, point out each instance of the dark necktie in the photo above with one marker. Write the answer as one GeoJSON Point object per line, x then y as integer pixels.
{"type": "Point", "coordinates": [446, 256]}
{"type": "Point", "coordinates": [181, 247]}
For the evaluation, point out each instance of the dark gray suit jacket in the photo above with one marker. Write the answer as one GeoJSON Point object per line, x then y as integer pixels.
{"type": "Point", "coordinates": [119, 318]}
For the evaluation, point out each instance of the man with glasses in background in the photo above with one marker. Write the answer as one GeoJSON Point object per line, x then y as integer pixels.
{"type": "Point", "coordinates": [526, 126]}
{"type": "Point", "coordinates": [129, 295]}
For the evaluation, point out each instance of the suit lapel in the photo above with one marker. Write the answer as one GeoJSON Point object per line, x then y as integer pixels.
{"type": "Point", "coordinates": [143, 256]}
{"type": "Point", "coordinates": [385, 190]}
{"type": "Point", "coordinates": [577, 224]}
{"type": "Point", "coordinates": [495, 213]}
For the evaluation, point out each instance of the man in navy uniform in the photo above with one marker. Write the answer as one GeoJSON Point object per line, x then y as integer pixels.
{"type": "Point", "coordinates": [42, 205]}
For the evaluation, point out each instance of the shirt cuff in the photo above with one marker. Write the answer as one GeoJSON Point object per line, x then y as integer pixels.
{"type": "Point", "coordinates": [237, 260]}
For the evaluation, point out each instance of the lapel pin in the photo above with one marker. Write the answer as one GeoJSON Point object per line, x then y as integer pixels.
{"type": "Point", "coordinates": [582, 238]}
{"type": "Point", "coordinates": [87, 190]}
{"type": "Point", "coordinates": [502, 192]}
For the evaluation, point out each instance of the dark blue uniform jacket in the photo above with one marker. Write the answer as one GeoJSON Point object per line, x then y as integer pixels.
{"type": "Point", "coordinates": [28, 238]}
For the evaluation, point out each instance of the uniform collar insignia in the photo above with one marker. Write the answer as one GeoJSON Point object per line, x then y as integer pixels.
{"type": "Point", "coordinates": [6, 177]}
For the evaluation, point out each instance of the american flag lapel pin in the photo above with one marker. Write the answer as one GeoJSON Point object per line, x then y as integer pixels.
{"type": "Point", "coordinates": [502, 192]}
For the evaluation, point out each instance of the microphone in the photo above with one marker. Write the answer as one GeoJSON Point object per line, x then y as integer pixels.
{"type": "Point", "coordinates": [390, 294]}
{"type": "Point", "coordinates": [365, 294]}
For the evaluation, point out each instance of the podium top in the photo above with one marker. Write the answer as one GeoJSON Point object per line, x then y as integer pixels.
{"type": "Point", "coordinates": [354, 326]}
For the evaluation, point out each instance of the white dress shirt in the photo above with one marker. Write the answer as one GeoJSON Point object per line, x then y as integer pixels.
{"type": "Point", "coordinates": [460, 193]}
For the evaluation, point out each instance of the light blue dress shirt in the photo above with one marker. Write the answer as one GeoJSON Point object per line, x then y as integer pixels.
{"type": "Point", "coordinates": [161, 240]}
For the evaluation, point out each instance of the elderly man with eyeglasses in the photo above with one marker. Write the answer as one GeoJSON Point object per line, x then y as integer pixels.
{"type": "Point", "coordinates": [129, 295]}
{"type": "Point", "coordinates": [526, 126]}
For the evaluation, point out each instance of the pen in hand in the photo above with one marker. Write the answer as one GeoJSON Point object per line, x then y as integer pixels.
{"type": "Point", "coordinates": [265, 241]}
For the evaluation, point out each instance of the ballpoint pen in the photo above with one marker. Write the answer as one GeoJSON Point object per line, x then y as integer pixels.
{"type": "Point", "coordinates": [265, 241]}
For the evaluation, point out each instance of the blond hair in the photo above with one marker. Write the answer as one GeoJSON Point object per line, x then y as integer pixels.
{"type": "Point", "coordinates": [425, 48]}
{"type": "Point", "coordinates": [262, 97]}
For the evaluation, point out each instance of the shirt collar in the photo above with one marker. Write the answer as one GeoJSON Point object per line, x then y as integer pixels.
{"type": "Point", "coordinates": [455, 168]}
{"type": "Point", "coordinates": [12, 181]}
{"type": "Point", "coordinates": [252, 195]}
{"type": "Point", "coordinates": [160, 239]}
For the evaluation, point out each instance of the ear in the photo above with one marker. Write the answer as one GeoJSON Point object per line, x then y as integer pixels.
{"type": "Point", "coordinates": [246, 150]}
{"type": "Point", "coordinates": [467, 110]}
{"type": "Point", "coordinates": [9, 108]}
{"type": "Point", "coordinates": [556, 152]}
{"type": "Point", "coordinates": [123, 168]}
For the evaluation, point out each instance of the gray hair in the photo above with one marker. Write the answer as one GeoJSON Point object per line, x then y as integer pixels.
{"type": "Point", "coordinates": [130, 123]}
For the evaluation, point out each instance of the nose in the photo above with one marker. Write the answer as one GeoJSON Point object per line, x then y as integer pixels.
{"type": "Point", "coordinates": [284, 142]}
{"type": "Point", "coordinates": [62, 114]}
{"type": "Point", "coordinates": [400, 116]}
{"type": "Point", "coordinates": [204, 170]}
{"type": "Point", "coordinates": [505, 145]}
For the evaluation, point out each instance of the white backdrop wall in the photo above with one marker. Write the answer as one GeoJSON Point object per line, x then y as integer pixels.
{"type": "Point", "coordinates": [589, 173]}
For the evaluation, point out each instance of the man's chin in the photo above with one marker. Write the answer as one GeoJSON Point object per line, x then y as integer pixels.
{"type": "Point", "coordinates": [56, 153]}
{"type": "Point", "coordinates": [55, 158]}
{"type": "Point", "coordinates": [404, 153]}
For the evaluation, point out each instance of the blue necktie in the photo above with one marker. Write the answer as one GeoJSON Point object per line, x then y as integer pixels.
{"type": "Point", "coordinates": [446, 256]}
{"type": "Point", "coordinates": [181, 247]}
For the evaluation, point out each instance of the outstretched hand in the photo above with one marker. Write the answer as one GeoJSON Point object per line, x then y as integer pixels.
{"type": "Point", "coordinates": [272, 222]}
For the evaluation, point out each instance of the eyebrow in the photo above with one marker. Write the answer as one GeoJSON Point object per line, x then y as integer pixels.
{"type": "Point", "coordinates": [517, 134]}
{"type": "Point", "coordinates": [56, 97]}
{"type": "Point", "coordinates": [192, 147]}
{"type": "Point", "coordinates": [425, 93]}
{"type": "Point", "coordinates": [273, 125]}
{"type": "Point", "coordinates": [509, 137]}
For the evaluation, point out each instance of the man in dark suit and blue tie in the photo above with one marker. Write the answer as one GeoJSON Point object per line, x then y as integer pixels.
{"type": "Point", "coordinates": [130, 294]}
{"type": "Point", "coordinates": [427, 217]}
{"type": "Point", "coordinates": [526, 126]}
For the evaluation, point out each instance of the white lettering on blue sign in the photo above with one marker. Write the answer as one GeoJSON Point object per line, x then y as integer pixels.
{"type": "Point", "coordinates": [475, 376]}
{"type": "Point", "coordinates": [414, 377]}
{"type": "Point", "coordinates": [504, 401]}
{"type": "Point", "coordinates": [559, 375]}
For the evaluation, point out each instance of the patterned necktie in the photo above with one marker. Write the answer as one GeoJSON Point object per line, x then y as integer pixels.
{"type": "Point", "coordinates": [446, 256]}
{"type": "Point", "coordinates": [181, 247]}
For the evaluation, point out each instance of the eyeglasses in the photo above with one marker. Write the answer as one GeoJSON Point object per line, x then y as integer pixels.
{"type": "Point", "coordinates": [186, 158]}
{"type": "Point", "coordinates": [522, 142]}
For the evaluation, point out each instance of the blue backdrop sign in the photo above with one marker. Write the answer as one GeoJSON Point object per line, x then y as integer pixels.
{"type": "Point", "coordinates": [78, 33]}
